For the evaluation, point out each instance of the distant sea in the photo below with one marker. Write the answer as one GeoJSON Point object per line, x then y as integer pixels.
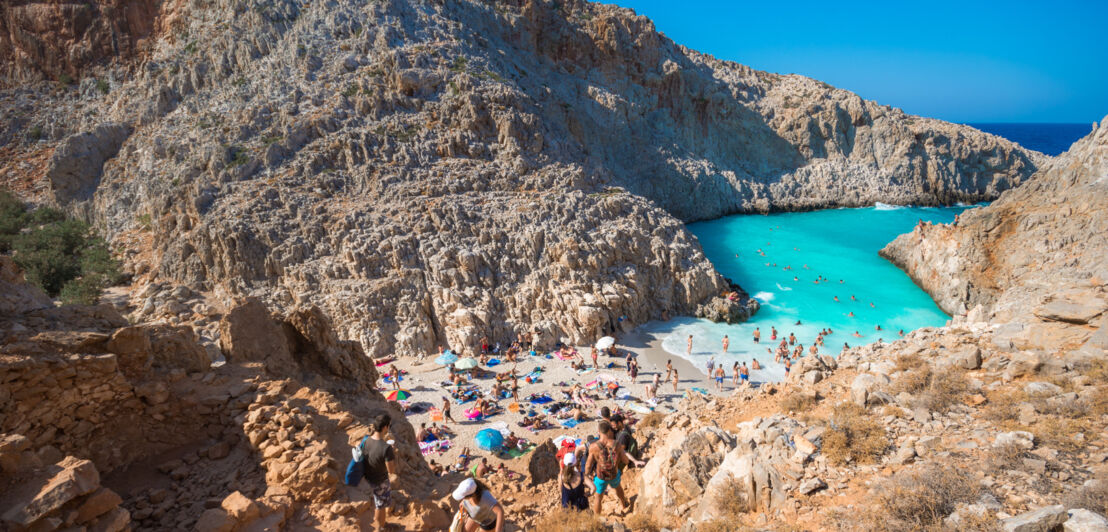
{"type": "Point", "coordinates": [1051, 139]}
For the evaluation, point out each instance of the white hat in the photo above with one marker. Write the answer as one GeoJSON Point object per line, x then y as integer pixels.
{"type": "Point", "coordinates": [465, 489]}
{"type": "Point", "coordinates": [569, 459]}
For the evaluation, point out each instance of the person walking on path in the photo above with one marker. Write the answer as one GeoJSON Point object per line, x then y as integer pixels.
{"type": "Point", "coordinates": [380, 466]}
{"type": "Point", "coordinates": [605, 464]}
{"type": "Point", "coordinates": [482, 510]}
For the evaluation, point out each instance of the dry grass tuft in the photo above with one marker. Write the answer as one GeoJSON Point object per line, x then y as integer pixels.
{"type": "Point", "coordinates": [1005, 458]}
{"type": "Point", "coordinates": [642, 523]}
{"type": "Point", "coordinates": [935, 391]}
{"type": "Point", "coordinates": [919, 499]}
{"type": "Point", "coordinates": [653, 419]}
{"type": "Point", "coordinates": [854, 436]}
{"type": "Point", "coordinates": [1092, 497]}
{"type": "Point", "coordinates": [797, 402]}
{"type": "Point", "coordinates": [731, 500]}
{"type": "Point", "coordinates": [570, 520]}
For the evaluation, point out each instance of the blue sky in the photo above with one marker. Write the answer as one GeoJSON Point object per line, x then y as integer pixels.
{"type": "Point", "coordinates": [962, 61]}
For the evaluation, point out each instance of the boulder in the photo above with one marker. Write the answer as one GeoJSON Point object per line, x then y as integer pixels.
{"type": "Point", "coordinates": [1041, 520]}
{"type": "Point", "coordinates": [74, 170]}
{"type": "Point", "coordinates": [1019, 438]}
{"type": "Point", "coordinates": [542, 464]}
{"type": "Point", "coordinates": [248, 333]}
{"type": "Point", "coordinates": [860, 388]}
{"type": "Point", "coordinates": [727, 310]}
{"type": "Point", "coordinates": [968, 358]}
{"type": "Point", "coordinates": [16, 294]}
{"type": "Point", "coordinates": [64, 482]}
{"type": "Point", "coordinates": [1082, 520]}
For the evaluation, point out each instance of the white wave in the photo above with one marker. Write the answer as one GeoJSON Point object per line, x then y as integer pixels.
{"type": "Point", "coordinates": [785, 288]}
{"type": "Point", "coordinates": [764, 297]}
{"type": "Point", "coordinates": [886, 207]}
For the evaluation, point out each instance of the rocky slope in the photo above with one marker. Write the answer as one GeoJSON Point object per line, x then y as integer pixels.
{"type": "Point", "coordinates": [428, 173]}
{"type": "Point", "coordinates": [111, 426]}
{"type": "Point", "coordinates": [1036, 259]}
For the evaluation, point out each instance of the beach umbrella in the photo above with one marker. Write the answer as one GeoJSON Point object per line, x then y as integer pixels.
{"type": "Point", "coordinates": [466, 363]}
{"type": "Point", "coordinates": [605, 342]}
{"type": "Point", "coordinates": [446, 359]}
{"type": "Point", "coordinates": [398, 395]}
{"type": "Point", "coordinates": [489, 440]}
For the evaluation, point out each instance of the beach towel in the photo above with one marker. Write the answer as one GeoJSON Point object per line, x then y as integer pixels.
{"type": "Point", "coordinates": [385, 361]}
{"type": "Point", "coordinates": [642, 409]}
{"type": "Point", "coordinates": [558, 441]}
{"type": "Point", "coordinates": [434, 446]}
{"type": "Point", "coordinates": [436, 414]}
{"type": "Point", "coordinates": [513, 407]}
{"type": "Point", "coordinates": [493, 362]}
{"type": "Point", "coordinates": [541, 399]}
{"type": "Point", "coordinates": [516, 453]}
{"type": "Point", "coordinates": [569, 423]}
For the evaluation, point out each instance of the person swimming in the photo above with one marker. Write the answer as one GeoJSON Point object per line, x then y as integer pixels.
{"type": "Point", "coordinates": [836, 299]}
{"type": "Point", "coordinates": [852, 298]}
{"type": "Point", "coordinates": [857, 334]}
{"type": "Point", "coordinates": [798, 322]}
{"type": "Point", "coordinates": [878, 328]}
{"type": "Point", "coordinates": [851, 314]}
{"type": "Point", "coordinates": [846, 345]}
{"type": "Point", "coordinates": [795, 278]}
{"type": "Point", "coordinates": [901, 332]}
{"type": "Point", "coordinates": [871, 305]}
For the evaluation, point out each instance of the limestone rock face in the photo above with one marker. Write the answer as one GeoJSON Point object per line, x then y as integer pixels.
{"type": "Point", "coordinates": [542, 464]}
{"type": "Point", "coordinates": [728, 310]}
{"type": "Point", "coordinates": [75, 168]}
{"type": "Point", "coordinates": [428, 173]}
{"type": "Point", "coordinates": [16, 295]}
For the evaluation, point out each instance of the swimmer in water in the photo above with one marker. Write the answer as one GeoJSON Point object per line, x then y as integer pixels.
{"type": "Point", "coordinates": [840, 281]}
{"type": "Point", "coordinates": [871, 305]}
{"type": "Point", "coordinates": [797, 322]}
{"type": "Point", "coordinates": [877, 328]}
{"type": "Point", "coordinates": [795, 278]}
{"type": "Point", "coordinates": [754, 364]}
{"type": "Point", "coordinates": [902, 332]}
{"type": "Point", "coordinates": [836, 299]}
{"type": "Point", "coordinates": [857, 334]}
{"type": "Point", "coordinates": [852, 298]}
{"type": "Point", "coordinates": [846, 345]}
{"type": "Point", "coordinates": [851, 314]}
{"type": "Point", "coordinates": [806, 267]}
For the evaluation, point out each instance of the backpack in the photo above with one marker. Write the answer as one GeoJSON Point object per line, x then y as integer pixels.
{"type": "Point", "coordinates": [632, 447]}
{"type": "Point", "coordinates": [606, 464]}
{"type": "Point", "coordinates": [355, 470]}
{"type": "Point", "coordinates": [568, 446]}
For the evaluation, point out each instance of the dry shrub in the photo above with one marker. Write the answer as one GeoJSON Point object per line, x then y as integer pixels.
{"type": "Point", "coordinates": [909, 363]}
{"type": "Point", "coordinates": [1059, 432]}
{"type": "Point", "coordinates": [1007, 457]}
{"type": "Point", "coordinates": [731, 500]}
{"type": "Point", "coordinates": [895, 411]}
{"type": "Point", "coordinates": [1098, 402]}
{"type": "Point", "coordinates": [1003, 407]}
{"type": "Point", "coordinates": [919, 499]}
{"type": "Point", "coordinates": [1092, 497]}
{"type": "Point", "coordinates": [653, 419]}
{"type": "Point", "coordinates": [933, 390]}
{"type": "Point", "coordinates": [642, 523]}
{"type": "Point", "coordinates": [797, 402]}
{"type": "Point", "coordinates": [570, 520]}
{"type": "Point", "coordinates": [853, 436]}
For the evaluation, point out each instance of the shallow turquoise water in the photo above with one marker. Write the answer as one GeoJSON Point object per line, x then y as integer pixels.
{"type": "Point", "coordinates": [839, 244]}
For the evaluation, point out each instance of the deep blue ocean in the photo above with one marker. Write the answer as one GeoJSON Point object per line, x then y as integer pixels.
{"type": "Point", "coordinates": [1051, 139]}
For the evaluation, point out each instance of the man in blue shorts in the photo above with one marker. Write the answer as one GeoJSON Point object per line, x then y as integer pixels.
{"type": "Point", "coordinates": [607, 458]}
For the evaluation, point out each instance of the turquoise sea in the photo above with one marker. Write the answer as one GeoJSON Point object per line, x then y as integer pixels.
{"type": "Point", "coordinates": [778, 259]}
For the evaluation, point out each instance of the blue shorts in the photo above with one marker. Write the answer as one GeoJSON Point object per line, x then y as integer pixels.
{"type": "Point", "coordinates": [602, 485]}
{"type": "Point", "coordinates": [744, 377]}
{"type": "Point", "coordinates": [719, 379]}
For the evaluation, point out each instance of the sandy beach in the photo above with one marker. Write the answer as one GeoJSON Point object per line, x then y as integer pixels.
{"type": "Point", "coordinates": [425, 381]}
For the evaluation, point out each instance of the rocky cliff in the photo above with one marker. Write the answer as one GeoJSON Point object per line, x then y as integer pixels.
{"type": "Point", "coordinates": [428, 173]}
{"type": "Point", "coordinates": [1036, 259]}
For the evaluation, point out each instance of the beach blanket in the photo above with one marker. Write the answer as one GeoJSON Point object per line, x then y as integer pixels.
{"type": "Point", "coordinates": [569, 423]}
{"type": "Point", "coordinates": [385, 361]}
{"type": "Point", "coordinates": [540, 399]}
{"type": "Point", "coordinates": [436, 414]}
{"type": "Point", "coordinates": [434, 446]}
{"type": "Point", "coordinates": [493, 362]}
{"type": "Point", "coordinates": [564, 356]}
{"type": "Point", "coordinates": [516, 453]}
{"type": "Point", "coordinates": [642, 409]}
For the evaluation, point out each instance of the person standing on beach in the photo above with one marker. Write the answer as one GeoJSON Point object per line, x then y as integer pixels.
{"type": "Point", "coordinates": [628, 361]}
{"type": "Point", "coordinates": [594, 354]}
{"type": "Point", "coordinates": [634, 370]}
{"type": "Point", "coordinates": [675, 378]}
{"type": "Point", "coordinates": [689, 349]}
{"type": "Point", "coordinates": [669, 368]}
{"type": "Point", "coordinates": [446, 411]}
{"type": "Point", "coordinates": [711, 365]}
{"type": "Point", "coordinates": [757, 335]}
{"type": "Point", "coordinates": [772, 333]}
{"type": "Point", "coordinates": [720, 375]}
{"type": "Point", "coordinates": [744, 373]}
{"type": "Point", "coordinates": [726, 343]}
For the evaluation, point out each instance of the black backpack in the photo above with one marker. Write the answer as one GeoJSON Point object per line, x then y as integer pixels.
{"type": "Point", "coordinates": [632, 445]}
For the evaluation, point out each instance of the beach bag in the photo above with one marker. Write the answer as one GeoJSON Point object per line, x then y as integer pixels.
{"type": "Point", "coordinates": [606, 468]}
{"type": "Point", "coordinates": [568, 446]}
{"type": "Point", "coordinates": [458, 524]}
{"type": "Point", "coordinates": [355, 470]}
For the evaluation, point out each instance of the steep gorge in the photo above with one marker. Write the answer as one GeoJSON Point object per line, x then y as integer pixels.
{"type": "Point", "coordinates": [429, 173]}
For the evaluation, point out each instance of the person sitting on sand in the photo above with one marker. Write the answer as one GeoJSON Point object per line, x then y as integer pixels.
{"type": "Point", "coordinates": [425, 435]}
{"type": "Point", "coordinates": [462, 461]}
{"type": "Point", "coordinates": [436, 469]}
{"type": "Point", "coordinates": [754, 364]}
{"type": "Point", "coordinates": [481, 469]}
{"type": "Point", "coordinates": [578, 366]}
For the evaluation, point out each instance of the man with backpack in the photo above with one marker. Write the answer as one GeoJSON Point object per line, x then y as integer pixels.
{"type": "Point", "coordinates": [378, 460]}
{"type": "Point", "coordinates": [627, 440]}
{"type": "Point", "coordinates": [607, 458]}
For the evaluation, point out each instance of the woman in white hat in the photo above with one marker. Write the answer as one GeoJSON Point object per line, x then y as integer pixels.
{"type": "Point", "coordinates": [572, 479]}
{"type": "Point", "coordinates": [482, 510]}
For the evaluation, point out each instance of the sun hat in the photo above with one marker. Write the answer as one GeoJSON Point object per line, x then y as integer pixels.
{"type": "Point", "coordinates": [569, 459]}
{"type": "Point", "coordinates": [465, 489]}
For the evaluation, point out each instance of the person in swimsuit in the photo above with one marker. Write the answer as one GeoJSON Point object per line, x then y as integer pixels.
{"type": "Point", "coordinates": [792, 339]}
{"type": "Point", "coordinates": [901, 333]}
{"type": "Point", "coordinates": [675, 379]}
{"type": "Point", "coordinates": [772, 333]}
{"type": "Point", "coordinates": [689, 349]}
{"type": "Point", "coordinates": [726, 343]}
{"type": "Point", "coordinates": [744, 373]}
{"type": "Point", "coordinates": [735, 374]}
{"type": "Point", "coordinates": [754, 364]}
{"type": "Point", "coordinates": [720, 375]}
{"type": "Point", "coordinates": [669, 368]}
{"type": "Point", "coordinates": [594, 354]}
{"type": "Point", "coordinates": [757, 335]}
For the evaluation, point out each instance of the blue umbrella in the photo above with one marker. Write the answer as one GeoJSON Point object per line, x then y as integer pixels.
{"type": "Point", "coordinates": [446, 359]}
{"type": "Point", "coordinates": [490, 440]}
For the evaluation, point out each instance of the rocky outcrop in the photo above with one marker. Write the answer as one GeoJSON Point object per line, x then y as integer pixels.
{"type": "Point", "coordinates": [728, 309]}
{"type": "Point", "coordinates": [77, 163]}
{"type": "Point", "coordinates": [1037, 258]}
{"type": "Point", "coordinates": [58, 496]}
{"type": "Point", "coordinates": [16, 295]}
{"type": "Point", "coordinates": [430, 173]}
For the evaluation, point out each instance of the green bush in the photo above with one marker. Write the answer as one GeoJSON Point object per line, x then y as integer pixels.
{"type": "Point", "coordinates": [13, 216]}
{"type": "Point", "coordinates": [62, 256]}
